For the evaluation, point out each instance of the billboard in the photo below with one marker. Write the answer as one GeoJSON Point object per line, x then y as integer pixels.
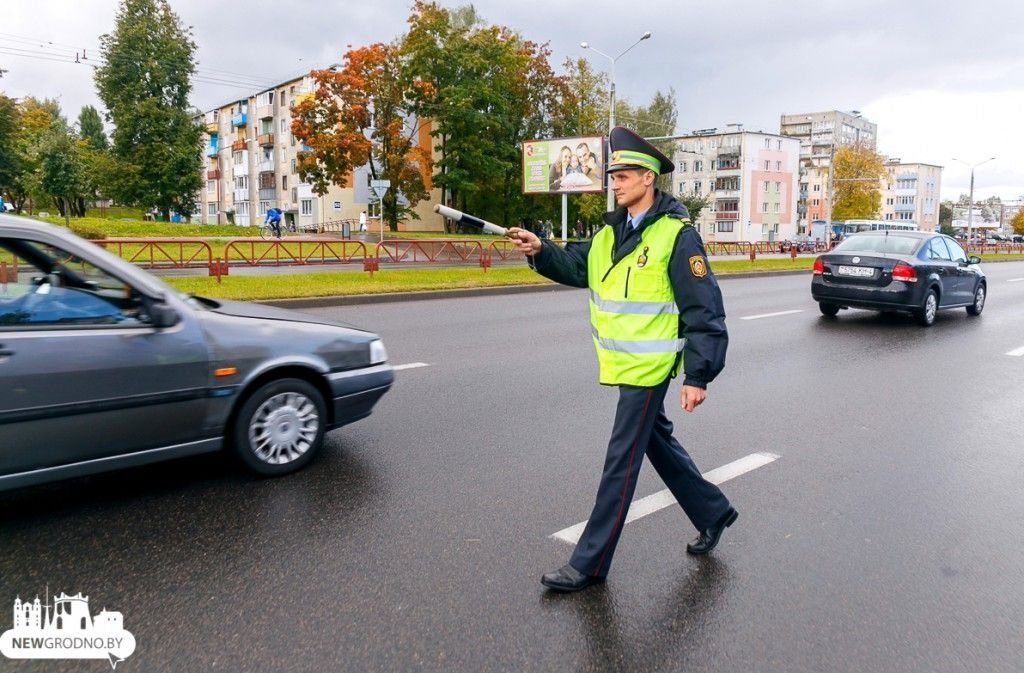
{"type": "Point", "coordinates": [563, 165]}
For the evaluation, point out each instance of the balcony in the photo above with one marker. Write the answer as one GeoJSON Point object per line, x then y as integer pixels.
{"type": "Point", "coordinates": [266, 180]}
{"type": "Point", "coordinates": [803, 193]}
{"type": "Point", "coordinates": [212, 128]}
{"type": "Point", "coordinates": [727, 193]}
{"type": "Point", "coordinates": [268, 194]}
{"type": "Point", "coordinates": [304, 96]}
{"type": "Point", "coordinates": [265, 111]}
{"type": "Point", "coordinates": [239, 119]}
{"type": "Point", "coordinates": [241, 195]}
{"type": "Point", "coordinates": [905, 207]}
{"type": "Point", "coordinates": [238, 145]}
{"type": "Point", "coordinates": [305, 191]}
{"type": "Point", "coordinates": [266, 167]}
{"type": "Point", "coordinates": [727, 214]}
{"type": "Point", "coordinates": [213, 174]}
{"type": "Point", "coordinates": [729, 150]}
{"type": "Point", "coordinates": [265, 139]}
{"type": "Point", "coordinates": [241, 169]}
{"type": "Point", "coordinates": [211, 151]}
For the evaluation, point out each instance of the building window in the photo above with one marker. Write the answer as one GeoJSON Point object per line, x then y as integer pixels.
{"type": "Point", "coordinates": [211, 209]}
{"type": "Point", "coordinates": [306, 206]}
{"type": "Point", "coordinates": [242, 209]}
{"type": "Point", "coordinates": [293, 165]}
{"type": "Point", "coordinates": [778, 187]}
{"type": "Point", "coordinates": [242, 182]}
{"type": "Point", "coordinates": [237, 157]}
{"type": "Point", "coordinates": [725, 225]}
{"type": "Point", "coordinates": [284, 182]}
{"type": "Point", "coordinates": [764, 206]}
{"type": "Point", "coordinates": [817, 188]}
{"type": "Point", "coordinates": [778, 144]}
{"type": "Point", "coordinates": [696, 187]}
{"type": "Point", "coordinates": [682, 187]}
{"type": "Point", "coordinates": [767, 165]}
{"type": "Point", "coordinates": [682, 166]}
{"type": "Point", "coordinates": [767, 143]}
{"type": "Point", "coordinates": [778, 165]}
{"type": "Point", "coordinates": [698, 166]}
{"type": "Point", "coordinates": [776, 207]}
{"type": "Point", "coordinates": [815, 202]}
{"type": "Point", "coordinates": [211, 186]}
{"type": "Point", "coordinates": [765, 186]}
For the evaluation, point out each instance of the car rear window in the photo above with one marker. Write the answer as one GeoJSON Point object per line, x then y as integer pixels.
{"type": "Point", "coordinates": [893, 244]}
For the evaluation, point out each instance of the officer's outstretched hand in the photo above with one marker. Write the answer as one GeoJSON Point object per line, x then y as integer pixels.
{"type": "Point", "coordinates": [692, 397]}
{"type": "Point", "coordinates": [527, 242]}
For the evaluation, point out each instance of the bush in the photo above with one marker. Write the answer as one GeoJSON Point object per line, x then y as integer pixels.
{"type": "Point", "coordinates": [87, 232]}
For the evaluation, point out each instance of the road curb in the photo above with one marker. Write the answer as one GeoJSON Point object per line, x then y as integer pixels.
{"type": "Point", "coordinates": [386, 298]}
{"type": "Point", "coordinates": [359, 299]}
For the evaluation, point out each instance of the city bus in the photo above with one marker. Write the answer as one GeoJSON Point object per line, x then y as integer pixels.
{"type": "Point", "coordinates": [841, 228]}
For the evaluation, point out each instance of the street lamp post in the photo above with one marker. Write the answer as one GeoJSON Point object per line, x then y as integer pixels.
{"type": "Point", "coordinates": [611, 100]}
{"type": "Point", "coordinates": [970, 204]}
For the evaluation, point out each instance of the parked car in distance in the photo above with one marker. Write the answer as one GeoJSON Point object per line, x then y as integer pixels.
{"type": "Point", "coordinates": [104, 366]}
{"type": "Point", "coordinates": [910, 271]}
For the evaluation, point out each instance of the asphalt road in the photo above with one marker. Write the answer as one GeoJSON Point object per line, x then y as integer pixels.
{"type": "Point", "coordinates": [887, 535]}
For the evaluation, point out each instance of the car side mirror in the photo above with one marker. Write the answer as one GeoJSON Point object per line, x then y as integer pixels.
{"type": "Point", "coordinates": [161, 315]}
{"type": "Point", "coordinates": [974, 259]}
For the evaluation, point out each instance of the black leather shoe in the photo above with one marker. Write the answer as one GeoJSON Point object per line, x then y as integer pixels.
{"type": "Point", "coordinates": [567, 580]}
{"type": "Point", "coordinates": [708, 538]}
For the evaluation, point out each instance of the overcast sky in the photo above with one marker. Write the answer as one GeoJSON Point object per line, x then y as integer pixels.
{"type": "Point", "coordinates": [941, 80]}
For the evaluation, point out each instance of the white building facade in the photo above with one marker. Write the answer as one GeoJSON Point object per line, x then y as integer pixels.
{"type": "Point", "coordinates": [750, 180]}
{"type": "Point", "coordinates": [910, 193]}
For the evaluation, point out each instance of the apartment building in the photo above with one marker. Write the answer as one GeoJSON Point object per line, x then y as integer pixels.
{"type": "Point", "coordinates": [749, 179]}
{"type": "Point", "coordinates": [819, 134]}
{"type": "Point", "coordinates": [910, 193]}
{"type": "Point", "coordinates": [251, 162]}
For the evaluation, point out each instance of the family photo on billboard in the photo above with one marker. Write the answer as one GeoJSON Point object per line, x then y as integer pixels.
{"type": "Point", "coordinates": [563, 165]}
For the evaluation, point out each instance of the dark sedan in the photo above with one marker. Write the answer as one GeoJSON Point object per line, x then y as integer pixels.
{"type": "Point", "coordinates": [103, 366]}
{"type": "Point", "coordinates": [913, 271]}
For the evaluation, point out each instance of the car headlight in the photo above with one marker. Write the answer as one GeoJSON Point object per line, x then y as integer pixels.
{"type": "Point", "coordinates": [377, 352]}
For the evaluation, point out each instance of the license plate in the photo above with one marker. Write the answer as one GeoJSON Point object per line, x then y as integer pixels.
{"type": "Point", "coordinates": [856, 271]}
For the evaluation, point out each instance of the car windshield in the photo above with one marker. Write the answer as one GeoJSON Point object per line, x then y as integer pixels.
{"type": "Point", "coordinates": [880, 242]}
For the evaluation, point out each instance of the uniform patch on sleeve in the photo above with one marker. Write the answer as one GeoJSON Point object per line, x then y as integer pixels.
{"type": "Point", "coordinates": [698, 267]}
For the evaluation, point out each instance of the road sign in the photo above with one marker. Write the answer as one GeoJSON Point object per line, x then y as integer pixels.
{"type": "Point", "coordinates": [380, 187]}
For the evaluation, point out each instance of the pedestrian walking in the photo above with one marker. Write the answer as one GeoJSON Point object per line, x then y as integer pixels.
{"type": "Point", "coordinates": [362, 221]}
{"type": "Point", "coordinates": [655, 309]}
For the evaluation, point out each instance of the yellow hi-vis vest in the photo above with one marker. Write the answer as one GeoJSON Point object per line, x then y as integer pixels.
{"type": "Point", "coordinates": [633, 312]}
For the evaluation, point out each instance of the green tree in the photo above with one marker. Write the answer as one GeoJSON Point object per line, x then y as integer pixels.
{"type": "Point", "coordinates": [946, 219]}
{"type": "Point", "coordinates": [490, 91]}
{"type": "Point", "coordinates": [35, 117]}
{"type": "Point", "coordinates": [90, 128]}
{"type": "Point", "coordinates": [10, 121]}
{"type": "Point", "coordinates": [60, 170]}
{"type": "Point", "coordinates": [144, 84]}
{"type": "Point", "coordinates": [694, 203]}
{"type": "Point", "coordinates": [857, 172]}
{"type": "Point", "coordinates": [1017, 222]}
{"type": "Point", "coordinates": [361, 113]}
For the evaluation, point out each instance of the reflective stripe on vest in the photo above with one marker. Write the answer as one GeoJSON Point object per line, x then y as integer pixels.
{"type": "Point", "coordinates": [633, 313]}
{"type": "Point", "coordinates": [653, 346]}
{"type": "Point", "coordinates": [635, 307]}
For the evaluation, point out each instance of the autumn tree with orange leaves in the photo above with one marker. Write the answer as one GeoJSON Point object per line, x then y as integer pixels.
{"type": "Point", "coordinates": [362, 114]}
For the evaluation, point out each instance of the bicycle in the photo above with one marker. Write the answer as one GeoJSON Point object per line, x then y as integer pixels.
{"type": "Point", "coordinates": [267, 230]}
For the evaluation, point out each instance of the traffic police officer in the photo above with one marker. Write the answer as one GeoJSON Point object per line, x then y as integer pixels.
{"type": "Point", "coordinates": [654, 306]}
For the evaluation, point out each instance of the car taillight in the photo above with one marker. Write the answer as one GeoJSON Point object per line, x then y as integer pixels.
{"type": "Point", "coordinates": [905, 272]}
{"type": "Point", "coordinates": [819, 267]}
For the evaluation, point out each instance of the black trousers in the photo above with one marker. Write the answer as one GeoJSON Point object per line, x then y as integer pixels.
{"type": "Point", "coordinates": [641, 427]}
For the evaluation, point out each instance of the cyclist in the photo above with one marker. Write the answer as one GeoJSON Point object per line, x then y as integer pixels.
{"type": "Point", "coordinates": [274, 220]}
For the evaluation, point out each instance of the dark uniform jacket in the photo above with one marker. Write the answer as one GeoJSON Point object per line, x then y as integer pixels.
{"type": "Point", "coordinates": [701, 311]}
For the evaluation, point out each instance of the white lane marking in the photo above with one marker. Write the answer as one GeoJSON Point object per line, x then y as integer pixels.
{"type": "Point", "coordinates": [1017, 352]}
{"type": "Point", "coordinates": [771, 315]}
{"type": "Point", "coordinates": [1015, 280]}
{"type": "Point", "coordinates": [411, 365]}
{"type": "Point", "coordinates": [664, 498]}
